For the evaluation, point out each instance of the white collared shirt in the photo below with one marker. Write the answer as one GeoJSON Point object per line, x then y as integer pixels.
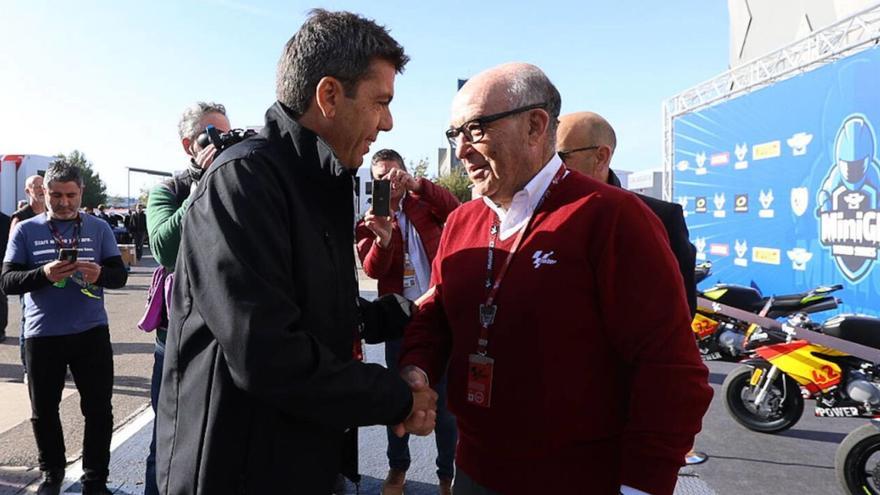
{"type": "Point", "coordinates": [525, 200]}
{"type": "Point", "coordinates": [417, 255]}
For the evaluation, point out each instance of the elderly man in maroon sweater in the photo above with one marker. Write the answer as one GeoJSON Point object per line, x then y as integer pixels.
{"type": "Point", "coordinates": [561, 380]}
{"type": "Point", "coordinates": [398, 251]}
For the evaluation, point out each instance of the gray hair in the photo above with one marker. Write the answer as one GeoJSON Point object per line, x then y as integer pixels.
{"type": "Point", "coordinates": [61, 170]}
{"type": "Point", "coordinates": [335, 44]}
{"type": "Point", "coordinates": [189, 127]}
{"type": "Point", "coordinates": [530, 86]}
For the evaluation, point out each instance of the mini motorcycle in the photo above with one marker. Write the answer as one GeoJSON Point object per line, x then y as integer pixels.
{"type": "Point", "coordinates": [857, 462]}
{"type": "Point", "coordinates": [767, 393]}
{"type": "Point", "coordinates": [720, 335]}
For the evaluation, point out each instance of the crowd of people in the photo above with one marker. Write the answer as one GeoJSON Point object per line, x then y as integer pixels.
{"type": "Point", "coordinates": [509, 322]}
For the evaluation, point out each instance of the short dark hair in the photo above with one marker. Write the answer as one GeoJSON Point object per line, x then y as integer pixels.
{"type": "Point", "coordinates": [61, 170]}
{"type": "Point", "coordinates": [336, 44]}
{"type": "Point", "coordinates": [388, 154]}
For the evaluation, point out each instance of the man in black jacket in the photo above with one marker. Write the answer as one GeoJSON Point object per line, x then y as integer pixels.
{"type": "Point", "coordinates": [262, 386]}
{"type": "Point", "coordinates": [586, 142]}
{"type": "Point", "coordinates": [137, 227]}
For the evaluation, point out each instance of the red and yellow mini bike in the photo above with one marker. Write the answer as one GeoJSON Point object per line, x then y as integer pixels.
{"type": "Point", "coordinates": [767, 393]}
{"type": "Point", "coordinates": [720, 336]}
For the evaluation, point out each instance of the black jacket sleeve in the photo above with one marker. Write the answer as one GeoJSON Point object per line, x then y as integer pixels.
{"type": "Point", "coordinates": [236, 265]}
{"type": "Point", "coordinates": [18, 279]}
{"type": "Point", "coordinates": [113, 274]}
{"type": "Point", "coordinates": [670, 214]}
{"type": "Point", "coordinates": [383, 319]}
{"type": "Point", "coordinates": [684, 251]}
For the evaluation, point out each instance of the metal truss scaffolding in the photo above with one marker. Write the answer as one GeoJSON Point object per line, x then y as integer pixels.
{"type": "Point", "coordinates": [834, 42]}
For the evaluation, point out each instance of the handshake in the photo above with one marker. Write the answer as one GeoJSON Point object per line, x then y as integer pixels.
{"type": "Point", "coordinates": [423, 416]}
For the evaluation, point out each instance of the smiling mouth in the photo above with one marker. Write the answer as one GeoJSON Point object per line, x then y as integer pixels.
{"type": "Point", "coordinates": [477, 170]}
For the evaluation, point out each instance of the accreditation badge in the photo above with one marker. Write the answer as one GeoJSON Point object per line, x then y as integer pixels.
{"type": "Point", "coordinates": [479, 384]}
{"type": "Point", "coordinates": [409, 272]}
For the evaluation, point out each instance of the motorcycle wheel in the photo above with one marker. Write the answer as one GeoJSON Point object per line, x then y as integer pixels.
{"type": "Point", "coordinates": [857, 462]}
{"type": "Point", "coordinates": [783, 397]}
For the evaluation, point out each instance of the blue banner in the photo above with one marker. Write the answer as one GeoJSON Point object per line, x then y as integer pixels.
{"type": "Point", "coordinates": [780, 187]}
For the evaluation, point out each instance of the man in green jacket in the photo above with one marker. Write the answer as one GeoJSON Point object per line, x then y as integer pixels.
{"type": "Point", "coordinates": [167, 204]}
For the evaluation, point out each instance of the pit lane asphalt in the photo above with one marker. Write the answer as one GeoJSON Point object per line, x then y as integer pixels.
{"type": "Point", "coordinates": [132, 361]}
{"type": "Point", "coordinates": [796, 462]}
{"type": "Point", "coordinates": [799, 461]}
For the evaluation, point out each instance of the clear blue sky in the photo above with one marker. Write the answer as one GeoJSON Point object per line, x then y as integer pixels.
{"type": "Point", "coordinates": [111, 78]}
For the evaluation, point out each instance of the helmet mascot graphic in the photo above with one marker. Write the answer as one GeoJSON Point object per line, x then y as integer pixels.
{"type": "Point", "coordinates": [847, 201]}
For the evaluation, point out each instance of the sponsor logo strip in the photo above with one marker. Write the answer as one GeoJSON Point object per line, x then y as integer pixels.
{"type": "Point", "coordinates": [763, 151]}
{"type": "Point", "coordinates": [767, 256]}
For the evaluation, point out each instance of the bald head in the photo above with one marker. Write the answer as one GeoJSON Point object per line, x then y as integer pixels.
{"type": "Point", "coordinates": [589, 130]}
{"type": "Point", "coordinates": [29, 182]}
{"type": "Point", "coordinates": [508, 86]}
{"type": "Point", "coordinates": [502, 153]}
{"type": "Point", "coordinates": [33, 188]}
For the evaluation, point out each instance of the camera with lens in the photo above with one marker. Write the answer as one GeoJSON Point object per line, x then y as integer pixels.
{"type": "Point", "coordinates": [223, 140]}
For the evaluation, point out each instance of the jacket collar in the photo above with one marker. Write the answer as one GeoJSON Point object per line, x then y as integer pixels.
{"type": "Point", "coordinates": [281, 124]}
{"type": "Point", "coordinates": [613, 179]}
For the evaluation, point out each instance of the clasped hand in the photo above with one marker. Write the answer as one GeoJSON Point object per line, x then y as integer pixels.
{"type": "Point", "coordinates": [423, 416]}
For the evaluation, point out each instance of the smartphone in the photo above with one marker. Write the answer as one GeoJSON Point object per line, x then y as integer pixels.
{"type": "Point", "coordinates": [382, 198]}
{"type": "Point", "coordinates": [67, 254]}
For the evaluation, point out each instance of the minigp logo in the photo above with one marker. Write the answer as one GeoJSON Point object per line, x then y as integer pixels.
{"type": "Point", "coordinates": [849, 219]}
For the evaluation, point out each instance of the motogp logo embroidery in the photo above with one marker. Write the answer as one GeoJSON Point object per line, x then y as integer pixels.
{"type": "Point", "coordinates": [542, 258]}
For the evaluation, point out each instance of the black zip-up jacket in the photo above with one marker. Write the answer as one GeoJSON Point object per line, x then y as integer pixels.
{"type": "Point", "coordinates": [259, 383]}
{"type": "Point", "coordinates": [672, 217]}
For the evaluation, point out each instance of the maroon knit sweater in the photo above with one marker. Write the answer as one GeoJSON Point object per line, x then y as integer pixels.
{"type": "Point", "coordinates": [427, 211]}
{"type": "Point", "coordinates": [597, 381]}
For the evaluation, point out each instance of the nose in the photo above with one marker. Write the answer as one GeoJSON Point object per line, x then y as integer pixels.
{"type": "Point", "coordinates": [462, 146]}
{"type": "Point", "coordinates": [386, 121]}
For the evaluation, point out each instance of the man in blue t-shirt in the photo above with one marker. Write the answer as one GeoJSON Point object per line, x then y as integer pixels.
{"type": "Point", "coordinates": [62, 261]}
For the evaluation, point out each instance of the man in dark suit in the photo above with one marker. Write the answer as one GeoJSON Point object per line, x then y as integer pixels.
{"type": "Point", "coordinates": [586, 142]}
{"type": "Point", "coordinates": [137, 227]}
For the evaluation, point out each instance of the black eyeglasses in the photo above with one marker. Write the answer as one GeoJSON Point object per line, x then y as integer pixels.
{"type": "Point", "coordinates": [473, 129]}
{"type": "Point", "coordinates": [563, 154]}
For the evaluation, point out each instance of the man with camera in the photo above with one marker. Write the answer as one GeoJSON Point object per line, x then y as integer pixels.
{"type": "Point", "coordinates": [396, 243]}
{"type": "Point", "coordinates": [66, 323]}
{"type": "Point", "coordinates": [264, 386]}
{"type": "Point", "coordinates": [167, 204]}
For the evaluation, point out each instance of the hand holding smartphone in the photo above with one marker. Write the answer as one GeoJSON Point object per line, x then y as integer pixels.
{"type": "Point", "coordinates": [381, 198]}
{"type": "Point", "coordinates": [67, 254]}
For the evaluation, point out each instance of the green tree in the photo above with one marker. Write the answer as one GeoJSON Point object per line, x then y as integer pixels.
{"type": "Point", "coordinates": [457, 183]}
{"type": "Point", "coordinates": [94, 189]}
{"type": "Point", "coordinates": [419, 169]}
{"type": "Point", "coordinates": [144, 196]}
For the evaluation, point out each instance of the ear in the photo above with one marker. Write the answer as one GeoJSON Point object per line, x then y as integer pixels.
{"type": "Point", "coordinates": [603, 155]}
{"type": "Point", "coordinates": [327, 95]}
{"type": "Point", "coordinates": [538, 122]}
{"type": "Point", "coordinates": [186, 143]}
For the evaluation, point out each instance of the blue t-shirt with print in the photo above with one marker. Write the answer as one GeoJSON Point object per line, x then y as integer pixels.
{"type": "Point", "coordinates": [71, 306]}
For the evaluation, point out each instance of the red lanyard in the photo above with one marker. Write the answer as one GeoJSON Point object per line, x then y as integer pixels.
{"type": "Point", "coordinates": [488, 310]}
{"type": "Point", "coordinates": [56, 234]}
